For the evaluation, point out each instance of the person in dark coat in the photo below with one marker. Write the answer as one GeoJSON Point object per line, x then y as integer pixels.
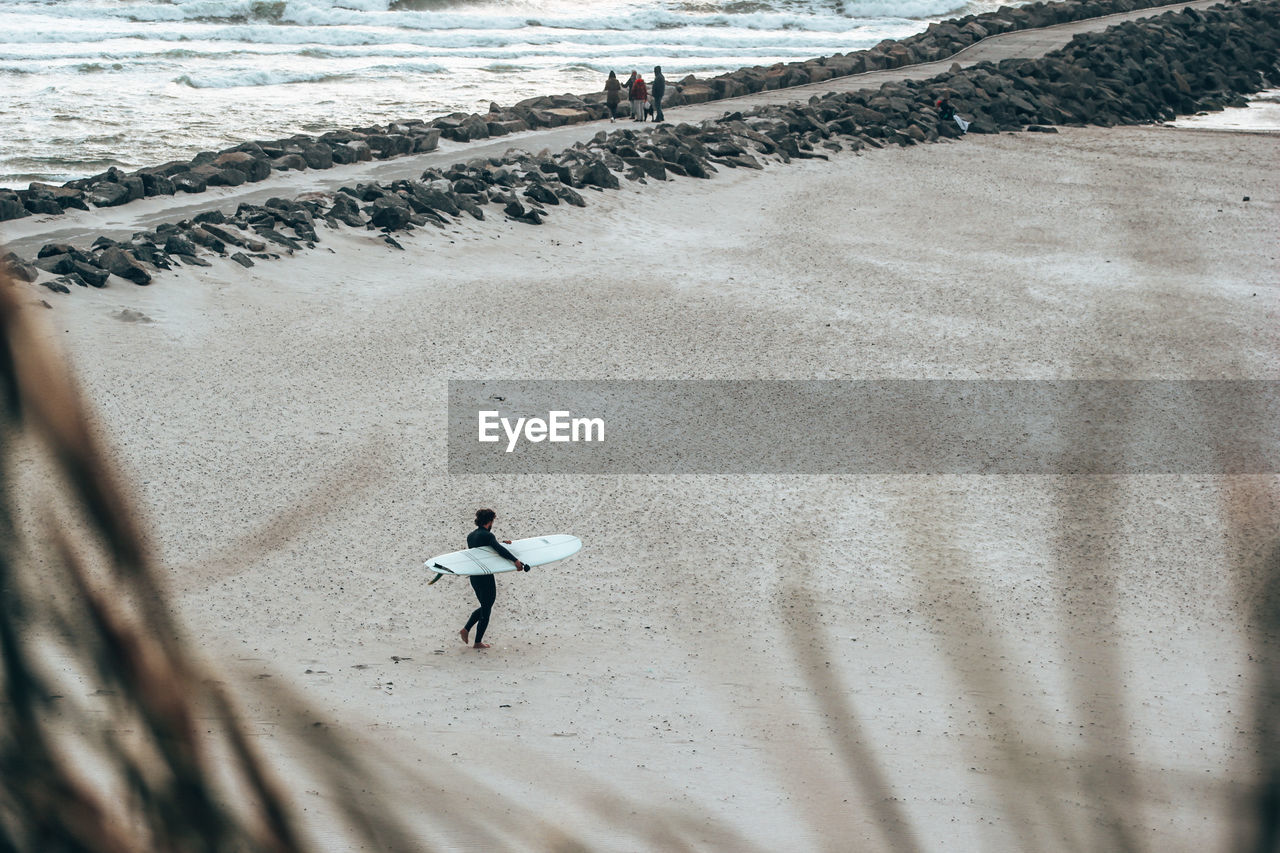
{"type": "Point", "coordinates": [658, 89]}
{"type": "Point", "coordinates": [612, 95]}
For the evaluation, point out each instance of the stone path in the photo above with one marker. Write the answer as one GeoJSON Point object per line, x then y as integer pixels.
{"type": "Point", "coordinates": [26, 236]}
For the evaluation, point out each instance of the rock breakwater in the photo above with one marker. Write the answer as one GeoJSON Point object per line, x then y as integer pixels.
{"type": "Point", "coordinates": [254, 161]}
{"type": "Point", "coordinates": [1136, 72]}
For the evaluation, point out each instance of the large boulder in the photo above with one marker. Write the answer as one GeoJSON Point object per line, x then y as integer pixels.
{"type": "Point", "coordinates": [155, 183]}
{"type": "Point", "coordinates": [647, 167]}
{"type": "Point", "coordinates": [254, 168]}
{"type": "Point", "coordinates": [695, 93]}
{"type": "Point", "coordinates": [361, 149]}
{"type": "Point", "coordinates": [428, 139]}
{"type": "Point", "coordinates": [220, 176]}
{"type": "Point", "coordinates": [595, 174]}
{"type": "Point", "coordinates": [541, 194]}
{"type": "Point", "coordinates": [119, 262]}
{"type": "Point", "coordinates": [57, 264]}
{"type": "Point", "coordinates": [560, 116]}
{"type": "Point", "coordinates": [42, 205]}
{"type": "Point", "coordinates": [287, 162]}
{"type": "Point", "coordinates": [318, 156]}
{"type": "Point", "coordinates": [389, 212]}
{"type": "Point", "coordinates": [189, 182]}
{"type": "Point", "coordinates": [346, 210]}
{"type": "Point", "coordinates": [108, 194]}
{"type": "Point", "coordinates": [91, 274]}
{"type": "Point", "coordinates": [65, 197]}
{"type": "Point", "coordinates": [431, 198]}
{"type": "Point", "coordinates": [342, 154]}
{"type": "Point", "coordinates": [18, 268]}
{"type": "Point", "coordinates": [202, 237]}
{"type": "Point", "coordinates": [11, 206]}
{"type": "Point", "coordinates": [569, 196]}
{"type": "Point", "coordinates": [180, 244]}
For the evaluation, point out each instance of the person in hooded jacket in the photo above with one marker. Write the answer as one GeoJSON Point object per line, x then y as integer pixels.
{"type": "Point", "coordinates": [639, 94]}
{"type": "Point", "coordinates": [658, 89]}
{"type": "Point", "coordinates": [612, 95]}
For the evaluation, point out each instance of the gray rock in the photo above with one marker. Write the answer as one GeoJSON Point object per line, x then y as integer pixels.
{"type": "Point", "coordinates": [294, 162]}
{"type": "Point", "coordinates": [202, 237]}
{"type": "Point", "coordinates": [648, 167]}
{"type": "Point", "coordinates": [346, 210]}
{"type": "Point", "coordinates": [94, 276]}
{"type": "Point", "coordinates": [119, 262]}
{"type": "Point", "coordinates": [190, 182]}
{"type": "Point", "coordinates": [362, 150]}
{"type": "Point", "coordinates": [470, 205]}
{"type": "Point", "coordinates": [178, 244]}
{"type": "Point", "coordinates": [50, 249]}
{"type": "Point", "coordinates": [318, 156]}
{"type": "Point", "coordinates": [517, 211]}
{"type": "Point", "coordinates": [154, 184]}
{"type": "Point", "coordinates": [57, 264]}
{"type": "Point", "coordinates": [541, 194]}
{"type": "Point", "coordinates": [389, 214]}
{"type": "Point", "coordinates": [431, 198]}
{"type": "Point", "coordinates": [225, 235]}
{"type": "Point", "coordinates": [570, 196]}
{"type": "Point", "coordinates": [596, 174]}
{"type": "Point", "coordinates": [11, 206]}
{"type": "Point", "coordinates": [42, 205]}
{"type": "Point", "coordinates": [18, 268]}
{"type": "Point", "coordinates": [342, 154]}
{"type": "Point", "coordinates": [242, 259]}
{"type": "Point", "coordinates": [276, 237]}
{"type": "Point", "coordinates": [107, 194]}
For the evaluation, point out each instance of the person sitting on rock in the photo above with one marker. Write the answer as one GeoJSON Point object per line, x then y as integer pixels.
{"type": "Point", "coordinates": [946, 111]}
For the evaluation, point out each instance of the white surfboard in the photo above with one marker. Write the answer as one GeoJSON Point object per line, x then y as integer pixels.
{"type": "Point", "coordinates": [534, 551]}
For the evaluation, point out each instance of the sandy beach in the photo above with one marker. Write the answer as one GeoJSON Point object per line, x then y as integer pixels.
{"type": "Point", "coordinates": [1032, 662]}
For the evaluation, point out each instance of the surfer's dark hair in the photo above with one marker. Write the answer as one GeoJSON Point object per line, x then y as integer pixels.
{"type": "Point", "coordinates": [484, 516]}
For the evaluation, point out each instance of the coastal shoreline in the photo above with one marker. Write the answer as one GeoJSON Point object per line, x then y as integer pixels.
{"type": "Point", "coordinates": [636, 671]}
{"type": "Point", "coordinates": [1010, 96]}
{"type": "Point", "coordinates": [949, 40]}
{"type": "Point", "coordinates": [754, 662]}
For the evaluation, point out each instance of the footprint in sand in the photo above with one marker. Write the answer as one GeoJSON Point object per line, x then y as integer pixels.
{"type": "Point", "coordinates": [128, 315]}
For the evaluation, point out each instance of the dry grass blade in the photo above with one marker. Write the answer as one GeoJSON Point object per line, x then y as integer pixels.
{"type": "Point", "coordinates": [860, 761]}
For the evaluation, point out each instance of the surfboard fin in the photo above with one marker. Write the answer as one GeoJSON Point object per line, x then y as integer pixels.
{"type": "Point", "coordinates": [434, 579]}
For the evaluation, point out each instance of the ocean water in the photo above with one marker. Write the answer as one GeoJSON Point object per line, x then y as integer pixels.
{"type": "Point", "coordinates": [88, 84]}
{"type": "Point", "coordinates": [1261, 116]}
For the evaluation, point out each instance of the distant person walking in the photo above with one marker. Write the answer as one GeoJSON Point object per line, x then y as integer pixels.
{"type": "Point", "coordinates": [639, 94]}
{"type": "Point", "coordinates": [486, 588]}
{"type": "Point", "coordinates": [658, 89]}
{"type": "Point", "coordinates": [612, 95]}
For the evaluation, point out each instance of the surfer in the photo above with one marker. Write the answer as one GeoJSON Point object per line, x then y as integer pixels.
{"type": "Point", "coordinates": [484, 585]}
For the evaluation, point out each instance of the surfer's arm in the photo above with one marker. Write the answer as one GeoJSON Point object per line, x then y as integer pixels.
{"type": "Point", "coordinates": [492, 542]}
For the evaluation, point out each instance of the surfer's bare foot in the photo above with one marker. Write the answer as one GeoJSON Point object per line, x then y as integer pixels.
{"type": "Point", "coordinates": [480, 646]}
{"type": "Point", "coordinates": [465, 635]}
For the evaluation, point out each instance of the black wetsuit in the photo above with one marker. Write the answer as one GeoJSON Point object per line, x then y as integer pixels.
{"type": "Point", "coordinates": [485, 587]}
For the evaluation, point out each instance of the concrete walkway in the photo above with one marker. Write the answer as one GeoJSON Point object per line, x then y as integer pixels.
{"type": "Point", "coordinates": [26, 236]}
